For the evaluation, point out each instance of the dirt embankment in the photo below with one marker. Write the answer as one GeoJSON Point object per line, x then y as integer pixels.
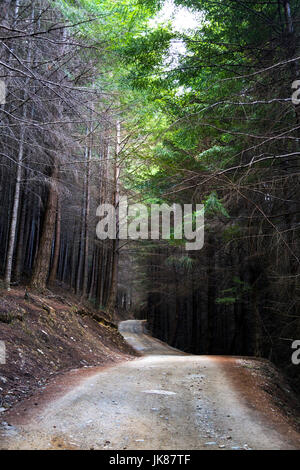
{"type": "Point", "coordinates": [50, 334]}
{"type": "Point", "coordinates": [263, 388]}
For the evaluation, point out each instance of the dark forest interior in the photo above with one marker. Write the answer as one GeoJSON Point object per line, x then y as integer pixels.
{"type": "Point", "coordinates": [103, 100]}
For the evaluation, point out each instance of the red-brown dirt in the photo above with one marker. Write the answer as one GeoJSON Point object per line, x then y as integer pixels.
{"type": "Point", "coordinates": [47, 335]}
{"type": "Point", "coordinates": [263, 388]}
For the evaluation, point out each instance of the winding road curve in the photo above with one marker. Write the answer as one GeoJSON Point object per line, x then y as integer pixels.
{"type": "Point", "coordinates": [164, 400]}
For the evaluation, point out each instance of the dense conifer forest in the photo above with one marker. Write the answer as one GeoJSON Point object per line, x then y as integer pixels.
{"type": "Point", "coordinates": [106, 99]}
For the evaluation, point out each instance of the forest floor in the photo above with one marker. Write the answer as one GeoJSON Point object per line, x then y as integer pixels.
{"type": "Point", "coordinates": [47, 335]}
{"type": "Point", "coordinates": [165, 399]}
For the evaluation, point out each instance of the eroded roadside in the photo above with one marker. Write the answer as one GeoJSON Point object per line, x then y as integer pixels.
{"type": "Point", "coordinates": [48, 335]}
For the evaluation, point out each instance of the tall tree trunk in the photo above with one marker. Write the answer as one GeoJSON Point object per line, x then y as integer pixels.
{"type": "Point", "coordinates": [111, 304]}
{"type": "Point", "coordinates": [16, 203]}
{"type": "Point", "coordinates": [14, 216]}
{"type": "Point", "coordinates": [21, 240]}
{"type": "Point", "coordinates": [86, 222]}
{"type": "Point", "coordinates": [42, 263]}
{"type": "Point", "coordinates": [80, 250]}
{"type": "Point", "coordinates": [53, 271]}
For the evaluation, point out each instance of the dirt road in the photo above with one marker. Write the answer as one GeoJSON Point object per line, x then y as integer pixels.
{"type": "Point", "coordinates": [164, 400]}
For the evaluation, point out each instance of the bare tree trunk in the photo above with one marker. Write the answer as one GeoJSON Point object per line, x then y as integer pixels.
{"type": "Point", "coordinates": [14, 216]}
{"type": "Point", "coordinates": [21, 240]}
{"type": "Point", "coordinates": [80, 250]}
{"type": "Point", "coordinates": [42, 263]}
{"type": "Point", "coordinates": [111, 304]}
{"type": "Point", "coordinates": [16, 203]}
{"type": "Point", "coordinates": [74, 259]}
{"type": "Point", "coordinates": [94, 270]}
{"type": "Point", "coordinates": [53, 271]}
{"type": "Point", "coordinates": [86, 223]}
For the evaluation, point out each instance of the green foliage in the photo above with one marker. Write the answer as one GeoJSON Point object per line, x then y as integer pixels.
{"type": "Point", "coordinates": [217, 156]}
{"type": "Point", "coordinates": [213, 205]}
{"type": "Point", "coordinates": [226, 300]}
{"type": "Point", "coordinates": [234, 293]}
{"type": "Point", "coordinates": [232, 232]}
{"type": "Point", "coordinates": [181, 262]}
